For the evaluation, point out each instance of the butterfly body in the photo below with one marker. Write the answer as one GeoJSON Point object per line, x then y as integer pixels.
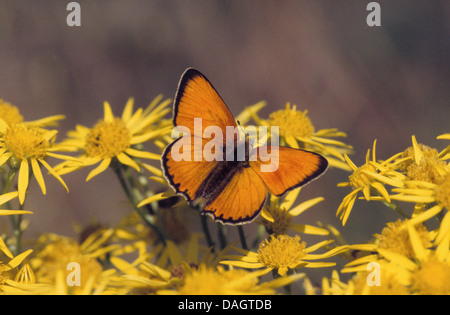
{"type": "Point", "coordinates": [216, 182]}
{"type": "Point", "coordinates": [233, 185]}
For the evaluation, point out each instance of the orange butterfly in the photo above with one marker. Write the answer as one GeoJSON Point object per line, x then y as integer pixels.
{"type": "Point", "coordinates": [232, 190]}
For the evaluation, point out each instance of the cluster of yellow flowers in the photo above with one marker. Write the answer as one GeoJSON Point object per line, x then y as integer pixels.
{"type": "Point", "coordinates": [412, 254]}
{"type": "Point", "coordinates": [154, 250]}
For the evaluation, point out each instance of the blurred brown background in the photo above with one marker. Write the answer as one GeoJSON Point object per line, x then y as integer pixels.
{"type": "Point", "coordinates": [383, 83]}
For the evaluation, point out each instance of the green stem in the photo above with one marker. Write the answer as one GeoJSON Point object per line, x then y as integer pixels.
{"type": "Point", "coordinates": [242, 237]}
{"type": "Point", "coordinates": [397, 209]}
{"type": "Point", "coordinates": [205, 229]}
{"type": "Point", "coordinates": [147, 218]}
{"type": "Point", "coordinates": [9, 180]}
{"type": "Point", "coordinates": [16, 221]}
{"type": "Point", "coordinates": [259, 235]}
{"type": "Point", "coordinates": [142, 181]}
{"type": "Point", "coordinates": [221, 234]}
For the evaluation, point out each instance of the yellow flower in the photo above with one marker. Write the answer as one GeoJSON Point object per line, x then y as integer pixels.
{"type": "Point", "coordinates": [24, 146]}
{"type": "Point", "coordinates": [370, 178]}
{"type": "Point", "coordinates": [11, 280]}
{"type": "Point", "coordinates": [297, 131]}
{"type": "Point", "coordinates": [56, 258]}
{"type": "Point", "coordinates": [332, 286]}
{"type": "Point", "coordinates": [116, 138]}
{"type": "Point", "coordinates": [283, 253]}
{"type": "Point", "coordinates": [424, 192]}
{"type": "Point", "coordinates": [429, 272]}
{"type": "Point", "coordinates": [425, 163]}
{"type": "Point", "coordinates": [218, 281]}
{"type": "Point", "coordinates": [11, 115]}
{"type": "Point", "coordinates": [173, 264]}
{"type": "Point", "coordinates": [278, 215]}
{"type": "Point", "coordinates": [387, 280]}
{"type": "Point", "coordinates": [395, 237]}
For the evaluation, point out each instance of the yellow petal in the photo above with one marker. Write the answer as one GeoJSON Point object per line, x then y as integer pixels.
{"type": "Point", "coordinates": [128, 111]}
{"type": "Point", "coordinates": [320, 264]}
{"type": "Point", "coordinates": [4, 157]}
{"type": "Point", "coordinates": [147, 136]}
{"type": "Point", "coordinates": [152, 169]}
{"type": "Point", "coordinates": [54, 174]}
{"type": "Point", "coordinates": [3, 126]}
{"type": "Point", "coordinates": [416, 242]}
{"type": "Point", "coordinates": [47, 121]}
{"type": "Point", "coordinates": [384, 179]}
{"type": "Point", "coordinates": [290, 140]}
{"type": "Point", "coordinates": [8, 196]}
{"type": "Point", "coordinates": [38, 175]}
{"type": "Point", "coordinates": [290, 198]}
{"type": "Point", "coordinates": [308, 229]}
{"type": "Point", "coordinates": [5, 249]}
{"type": "Point", "coordinates": [363, 260]}
{"type": "Point", "coordinates": [332, 252]}
{"type": "Point", "coordinates": [143, 154]}
{"type": "Point", "coordinates": [397, 259]}
{"type": "Point", "coordinates": [266, 215]}
{"type": "Point", "coordinates": [174, 254]}
{"type": "Point", "coordinates": [125, 159]}
{"type": "Point", "coordinates": [442, 251]}
{"type": "Point", "coordinates": [13, 263]}
{"type": "Point", "coordinates": [14, 212]}
{"type": "Point", "coordinates": [315, 247]}
{"type": "Point", "coordinates": [383, 192]}
{"type": "Point", "coordinates": [153, 198]}
{"type": "Point", "coordinates": [406, 198]}
{"type": "Point", "coordinates": [108, 116]}
{"type": "Point", "coordinates": [426, 215]}
{"type": "Point", "coordinates": [23, 180]}
{"type": "Point", "coordinates": [444, 229]}
{"type": "Point", "coordinates": [124, 266]}
{"type": "Point", "coordinates": [50, 134]}
{"type": "Point", "coordinates": [243, 264]}
{"type": "Point", "coordinates": [444, 136]}
{"type": "Point", "coordinates": [99, 169]}
{"type": "Point", "coordinates": [350, 162]}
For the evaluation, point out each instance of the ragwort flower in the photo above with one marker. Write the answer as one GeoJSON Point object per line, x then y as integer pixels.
{"type": "Point", "coordinates": [278, 215]}
{"type": "Point", "coordinates": [283, 253]}
{"type": "Point", "coordinates": [11, 115]}
{"type": "Point", "coordinates": [54, 254]}
{"type": "Point", "coordinates": [24, 146]}
{"type": "Point", "coordinates": [116, 138]}
{"type": "Point", "coordinates": [370, 179]}
{"type": "Point", "coordinates": [389, 280]}
{"type": "Point", "coordinates": [297, 131]}
{"type": "Point", "coordinates": [219, 281]}
{"type": "Point", "coordinates": [424, 163]}
{"type": "Point", "coordinates": [429, 272]}
{"type": "Point", "coordinates": [11, 280]}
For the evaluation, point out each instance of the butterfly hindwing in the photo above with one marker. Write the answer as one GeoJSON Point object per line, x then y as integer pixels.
{"type": "Point", "coordinates": [241, 200]}
{"type": "Point", "coordinates": [287, 168]}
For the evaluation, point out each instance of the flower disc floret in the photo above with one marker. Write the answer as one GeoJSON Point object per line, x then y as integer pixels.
{"type": "Point", "coordinates": [26, 142]}
{"type": "Point", "coordinates": [282, 252]}
{"type": "Point", "coordinates": [107, 139]}
{"type": "Point", "coordinates": [292, 122]}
